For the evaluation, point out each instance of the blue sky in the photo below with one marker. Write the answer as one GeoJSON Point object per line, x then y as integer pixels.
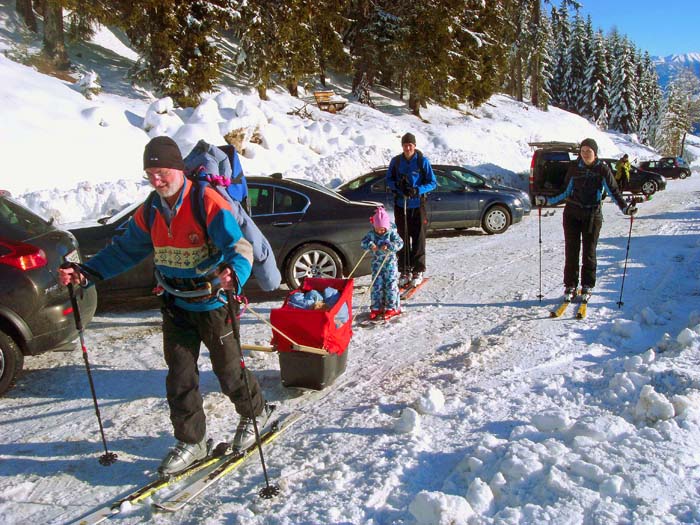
{"type": "Point", "coordinates": [662, 27]}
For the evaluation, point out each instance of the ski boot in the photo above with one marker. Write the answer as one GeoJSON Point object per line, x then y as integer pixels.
{"type": "Point", "coordinates": [181, 456]}
{"type": "Point", "coordinates": [245, 431]}
{"type": "Point", "coordinates": [569, 293]}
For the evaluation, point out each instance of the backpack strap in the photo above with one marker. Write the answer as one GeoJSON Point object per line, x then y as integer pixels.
{"type": "Point", "coordinates": [197, 203]}
{"type": "Point", "coordinates": [230, 150]}
{"type": "Point", "coordinates": [149, 214]}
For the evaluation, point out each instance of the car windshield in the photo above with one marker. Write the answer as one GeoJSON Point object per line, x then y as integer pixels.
{"type": "Point", "coordinates": [682, 162]}
{"type": "Point", "coordinates": [18, 223]}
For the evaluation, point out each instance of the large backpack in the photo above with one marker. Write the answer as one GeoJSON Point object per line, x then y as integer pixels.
{"type": "Point", "coordinates": [219, 165]}
{"type": "Point", "coordinates": [210, 166]}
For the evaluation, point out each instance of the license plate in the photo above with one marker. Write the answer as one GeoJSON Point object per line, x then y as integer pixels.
{"type": "Point", "coordinates": [72, 256]}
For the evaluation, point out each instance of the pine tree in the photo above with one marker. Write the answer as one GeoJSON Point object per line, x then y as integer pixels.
{"type": "Point", "coordinates": [623, 94]}
{"type": "Point", "coordinates": [575, 81]}
{"type": "Point", "coordinates": [651, 99]}
{"type": "Point", "coordinates": [596, 101]}
{"type": "Point", "coordinates": [681, 109]}
{"type": "Point", "coordinates": [560, 58]}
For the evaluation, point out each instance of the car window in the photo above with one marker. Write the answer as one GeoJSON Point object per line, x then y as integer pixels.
{"type": "Point", "coordinates": [260, 199]}
{"type": "Point", "coordinates": [379, 186]}
{"type": "Point", "coordinates": [287, 201]}
{"type": "Point", "coordinates": [556, 155]}
{"type": "Point", "coordinates": [18, 223]}
{"type": "Point", "coordinates": [445, 183]}
{"type": "Point", "coordinates": [469, 178]}
{"type": "Point", "coordinates": [681, 162]}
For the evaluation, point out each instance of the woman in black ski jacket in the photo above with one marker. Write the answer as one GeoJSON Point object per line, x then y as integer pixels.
{"type": "Point", "coordinates": [586, 180]}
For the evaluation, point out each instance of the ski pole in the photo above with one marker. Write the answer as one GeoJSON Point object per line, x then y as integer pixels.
{"type": "Point", "coordinates": [108, 457]}
{"type": "Point", "coordinates": [269, 491]}
{"type": "Point", "coordinates": [407, 240]}
{"type": "Point", "coordinates": [624, 271]}
{"type": "Point", "coordinates": [539, 221]}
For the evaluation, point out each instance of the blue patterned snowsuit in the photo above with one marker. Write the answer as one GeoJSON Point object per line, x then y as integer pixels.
{"type": "Point", "coordinates": [385, 291]}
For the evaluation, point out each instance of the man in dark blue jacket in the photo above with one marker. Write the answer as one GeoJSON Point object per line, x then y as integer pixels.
{"type": "Point", "coordinates": [410, 177]}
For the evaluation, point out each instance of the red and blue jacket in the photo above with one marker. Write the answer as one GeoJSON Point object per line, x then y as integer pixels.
{"type": "Point", "coordinates": [181, 249]}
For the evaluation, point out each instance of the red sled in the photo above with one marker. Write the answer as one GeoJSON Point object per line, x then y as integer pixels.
{"type": "Point", "coordinates": [328, 330]}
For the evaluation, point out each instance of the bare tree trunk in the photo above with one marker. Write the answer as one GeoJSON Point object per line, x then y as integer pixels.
{"type": "Point", "coordinates": [262, 92]}
{"type": "Point", "coordinates": [535, 81]}
{"type": "Point", "coordinates": [414, 104]}
{"type": "Point", "coordinates": [24, 10]}
{"type": "Point", "coordinates": [293, 87]}
{"type": "Point", "coordinates": [54, 44]}
{"type": "Point", "coordinates": [535, 64]}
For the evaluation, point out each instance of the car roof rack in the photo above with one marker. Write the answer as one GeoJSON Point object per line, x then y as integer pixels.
{"type": "Point", "coordinates": [555, 145]}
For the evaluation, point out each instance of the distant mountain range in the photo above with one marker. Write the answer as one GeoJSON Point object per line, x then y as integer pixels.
{"type": "Point", "coordinates": [666, 68]}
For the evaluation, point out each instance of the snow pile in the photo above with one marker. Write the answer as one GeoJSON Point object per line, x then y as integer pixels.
{"type": "Point", "coordinates": [638, 403]}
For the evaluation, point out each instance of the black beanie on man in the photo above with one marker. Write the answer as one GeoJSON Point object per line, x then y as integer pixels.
{"type": "Point", "coordinates": [408, 138]}
{"type": "Point", "coordinates": [591, 144]}
{"type": "Point", "coordinates": [162, 152]}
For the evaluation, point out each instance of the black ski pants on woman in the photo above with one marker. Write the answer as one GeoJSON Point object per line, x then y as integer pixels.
{"type": "Point", "coordinates": [183, 333]}
{"type": "Point", "coordinates": [414, 239]}
{"type": "Point", "coordinates": [581, 229]}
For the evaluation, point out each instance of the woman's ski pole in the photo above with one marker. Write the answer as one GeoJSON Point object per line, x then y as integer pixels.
{"type": "Point", "coordinates": [108, 457]}
{"type": "Point", "coordinates": [539, 221]}
{"type": "Point", "coordinates": [624, 271]}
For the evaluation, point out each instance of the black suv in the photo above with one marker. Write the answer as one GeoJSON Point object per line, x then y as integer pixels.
{"type": "Point", "coordinates": [35, 311]}
{"type": "Point", "coordinates": [551, 160]}
{"type": "Point", "coordinates": [671, 167]}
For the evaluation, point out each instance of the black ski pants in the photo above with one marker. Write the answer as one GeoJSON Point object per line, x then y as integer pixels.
{"type": "Point", "coordinates": [581, 229]}
{"type": "Point", "coordinates": [414, 239]}
{"type": "Point", "coordinates": [183, 333]}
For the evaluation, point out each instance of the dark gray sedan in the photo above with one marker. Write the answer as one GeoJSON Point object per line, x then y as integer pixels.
{"type": "Point", "coordinates": [462, 199]}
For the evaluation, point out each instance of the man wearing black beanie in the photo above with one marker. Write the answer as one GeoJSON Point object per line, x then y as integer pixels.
{"type": "Point", "coordinates": [198, 268]}
{"type": "Point", "coordinates": [410, 177]}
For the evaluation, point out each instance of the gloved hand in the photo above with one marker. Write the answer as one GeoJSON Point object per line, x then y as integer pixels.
{"type": "Point", "coordinates": [413, 193]}
{"type": "Point", "coordinates": [630, 209]}
{"type": "Point", "coordinates": [540, 200]}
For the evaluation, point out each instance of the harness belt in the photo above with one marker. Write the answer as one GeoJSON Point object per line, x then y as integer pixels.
{"type": "Point", "coordinates": [200, 291]}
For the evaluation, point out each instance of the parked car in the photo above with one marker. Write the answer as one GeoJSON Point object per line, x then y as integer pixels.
{"type": "Point", "coordinates": [313, 231]}
{"type": "Point", "coordinates": [550, 161]}
{"type": "Point", "coordinates": [641, 181]}
{"type": "Point", "coordinates": [462, 199]}
{"type": "Point", "coordinates": [35, 311]}
{"type": "Point", "coordinates": [671, 167]}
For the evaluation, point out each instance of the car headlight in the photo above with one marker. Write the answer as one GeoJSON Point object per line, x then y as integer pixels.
{"type": "Point", "coordinates": [517, 202]}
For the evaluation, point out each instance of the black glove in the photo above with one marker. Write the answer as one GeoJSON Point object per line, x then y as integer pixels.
{"type": "Point", "coordinates": [413, 193]}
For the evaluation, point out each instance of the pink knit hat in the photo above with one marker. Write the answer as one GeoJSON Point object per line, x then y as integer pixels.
{"type": "Point", "coordinates": [381, 219]}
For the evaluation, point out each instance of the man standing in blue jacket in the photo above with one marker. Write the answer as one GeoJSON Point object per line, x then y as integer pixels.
{"type": "Point", "coordinates": [195, 264]}
{"type": "Point", "coordinates": [410, 177]}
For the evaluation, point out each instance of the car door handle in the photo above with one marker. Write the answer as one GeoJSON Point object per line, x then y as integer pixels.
{"type": "Point", "coordinates": [287, 223]}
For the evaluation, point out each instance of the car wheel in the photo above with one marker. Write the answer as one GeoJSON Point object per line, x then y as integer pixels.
{"type": "Point", "coordinates": [11, 361]}
{"type": "Point", "coordinates": [312, 260]}
{"type": "Point", "coordinates": [496, 220]}
{"type": "Point", "coordinates": [649, 187]}
{"type": "Point", "coordinates": [683, 174]}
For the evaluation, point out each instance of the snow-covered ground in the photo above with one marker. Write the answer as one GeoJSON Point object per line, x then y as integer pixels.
{"type": "Point", "coordinates": [473, 408]}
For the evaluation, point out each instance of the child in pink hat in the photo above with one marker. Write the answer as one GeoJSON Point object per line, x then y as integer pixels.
{"type": "Point", "coordinates": [384, 241]}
